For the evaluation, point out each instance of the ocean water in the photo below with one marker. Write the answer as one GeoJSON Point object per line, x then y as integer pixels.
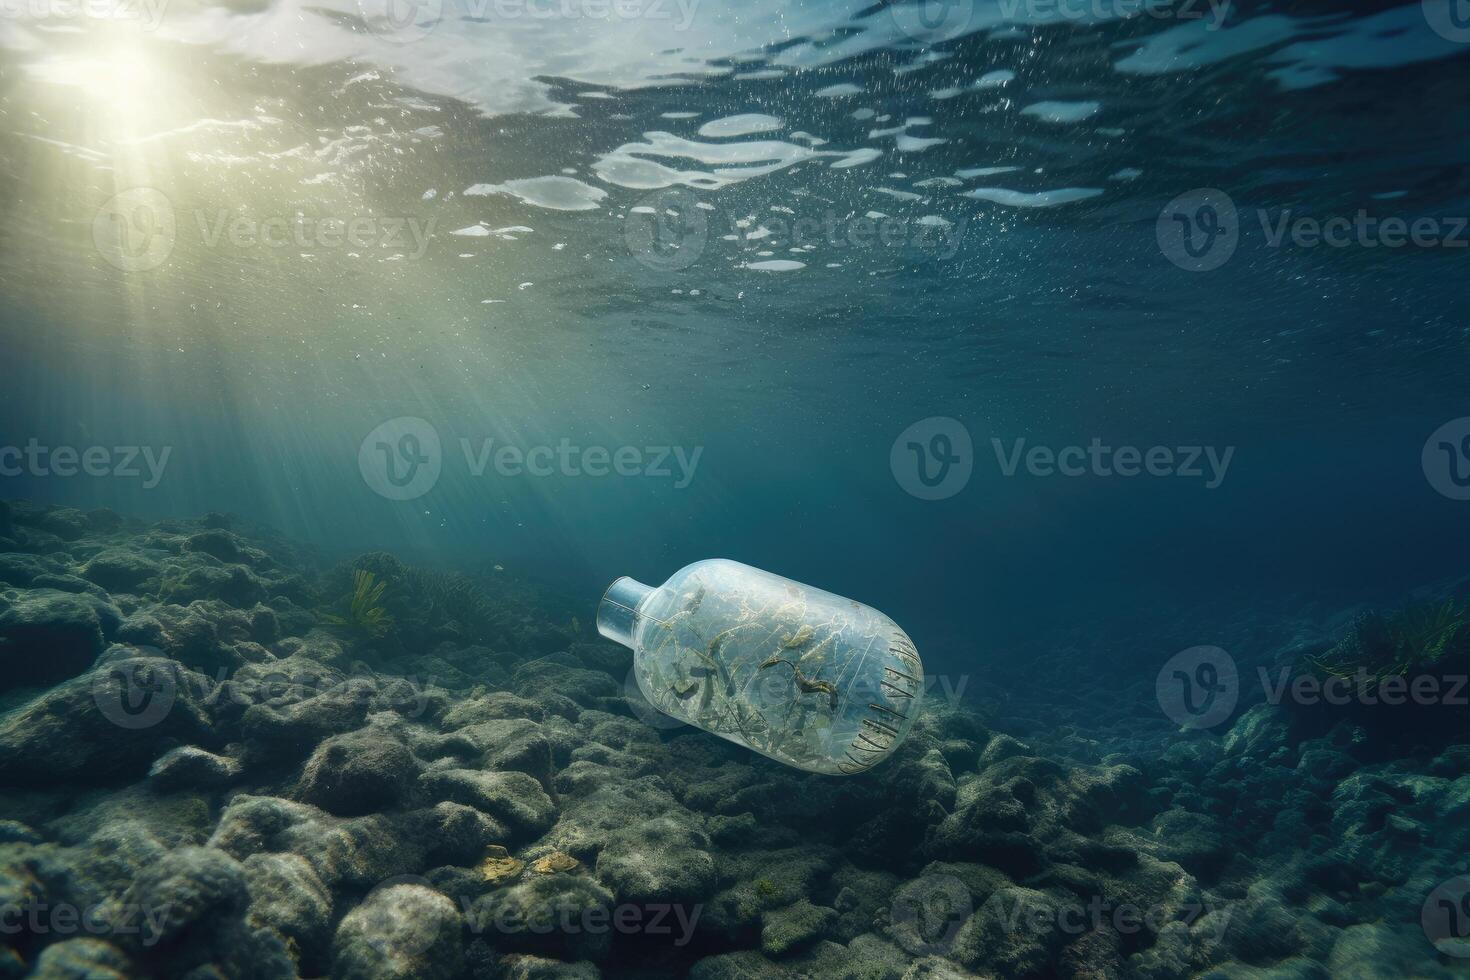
{"type": "Point", "coordinates": [1116, 351]}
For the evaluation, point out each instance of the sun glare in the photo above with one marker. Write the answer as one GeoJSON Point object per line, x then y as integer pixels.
{"type": "Point", "coordinates": [118, 81]}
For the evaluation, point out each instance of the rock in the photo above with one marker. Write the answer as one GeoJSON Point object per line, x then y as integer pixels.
{"type": "Point", "coordinates": [120, 570]}
{"type": "Point", "coordinates": [265, 625]}
{"type": "Point", "coordinates": [286, 725]}
{"type": "Point", "coordinates": [458, 834]}
{"type": "Point", "coordinates": [561, 915]}
{"type": "Point", "coordinates": [744, 965]}
{"type": "Point", "coordinates": [21, 570]}
{"type": "Point", "coordinates": [1261, 732]}
{"type": "Point", "coordinates": [1377, 949]}
{"type": "Point", "coordinates": [1102, 795]}
{"type": "Point", "coordinates": [764, 880]}
{"type": "Point", "coordinates": [287, 895]}
{"type": "Point", "coordinates": [522, 966]}
{"type": "Point", "coordinates": [1001, 747]}
{"type": "Point", "coordinates": [67, 523]}
{"type": "Point", "coordinates": [732, 831]}
{"type": "Point", "coordinates": [82, 958]}
{"type": "Point", "coordinates": [47, 636]}
{"type": "Point", "coordinates": [193, 635]}
{"type": "Point", "coordinates": [190, 767]}
{"type": "Point", "coordinates": [507, 744]}
{"type": "Point", "coordinates": [110, 722]}
{"type": "Point", "coordinates": [403, 931]}
{"type": "Point", "coordinates": [357, 852]}
{"type": "Point", "coordinates": [358, 772]}
{"type": "Point", "coordinates": [492, 706]}
{"type": "Point", "coordinates": [1016, 933]}
{"type": "Point", "coordinates": [1194, 841]}
{"type": "Point", "coordinates": [234, 584]}
{"type": "Point", "coordinates": [104, 519]}
{"type": "Point", "coordinates": [936, 968]}
{"type": "Point", "coordinates": [786, 929]}
{"type": "Point", "coordinates": [1262, 926]}
{"type": "Point", "coordinates": [69, 583]}
{"type": "Point", "coordinates": [188, 888]}
{"type": "Point", "coordinates": [659, 860]}
{"type": "Point", "coordinates": [217, 543]}
{"type": "Point", "coordinates": [925, 914]}
{"type": "Point", "coordinates": [15, 832]}
{"type": "Point", "coordinates": [513, 797]}
{"type": "Point", "coordinates": [589, 688]}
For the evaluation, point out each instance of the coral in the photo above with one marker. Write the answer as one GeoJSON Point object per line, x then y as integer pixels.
{"type": "Point", "coordinates": [553, 863]}
{"type": "Point", "coordinates": [498, 867]}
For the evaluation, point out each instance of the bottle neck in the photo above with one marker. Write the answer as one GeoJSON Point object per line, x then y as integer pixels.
{"type": "Point", "coordinates": [617, 613]}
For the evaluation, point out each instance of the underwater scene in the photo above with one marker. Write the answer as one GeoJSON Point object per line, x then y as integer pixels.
{"type": "Point", "coordinates": [832, 489]}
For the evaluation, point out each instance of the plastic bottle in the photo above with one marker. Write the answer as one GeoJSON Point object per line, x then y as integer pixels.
{"type": "Point", "coordinates": [806, 677]}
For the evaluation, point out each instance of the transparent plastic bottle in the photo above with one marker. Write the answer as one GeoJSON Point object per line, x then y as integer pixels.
{"type": "Point", "coordinates": [806, 677]}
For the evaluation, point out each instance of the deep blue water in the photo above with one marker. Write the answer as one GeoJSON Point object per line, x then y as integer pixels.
{"type": "Point", "coordinates": [551, 164]}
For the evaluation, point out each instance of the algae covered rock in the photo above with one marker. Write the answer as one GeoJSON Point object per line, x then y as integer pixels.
{"type": "Point", "coordinates": [513, 797]}
{"type": "Point", "coordinates": [358, 772]}
{"type": "Point", "coordinates": [659, 860]}
{"type": "Point", "coordinates": [1016, 933]}
{"type": "Point", "coordinates": [402, 931]}
{"type": "Point", "coordinates": [566, 916]}
{"type": "Point", "coordinates": [113, 721]}
{"type": "Point", "coordinates": [83, 958]}
{"type": "Point", "coordinates": [47, 636]}
{"type": "Point", "coordinates": [523, 966]}
{"type": "Point", "coordinates": [287, 895]}
{"type": "Point", "coordinates": [457, 834]}
{"type": "Point", "coordinates": [120, 569]}
{"type": "Point", "coordinates": [189, 766]}
{"type": "Point", "coordinates": [786, 929]}
{"type": "Point", "coordinates": [67, 523]}
{"type": "Point", "coordinates": [187, 888]}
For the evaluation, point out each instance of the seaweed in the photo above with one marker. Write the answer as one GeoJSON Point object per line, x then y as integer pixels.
{"type": "Point", "coordinates": [365, 612]}
{"type": "Point", "coordinates": [1415, 639]}
{"type": "Point", "coordinates": [805, 684]}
